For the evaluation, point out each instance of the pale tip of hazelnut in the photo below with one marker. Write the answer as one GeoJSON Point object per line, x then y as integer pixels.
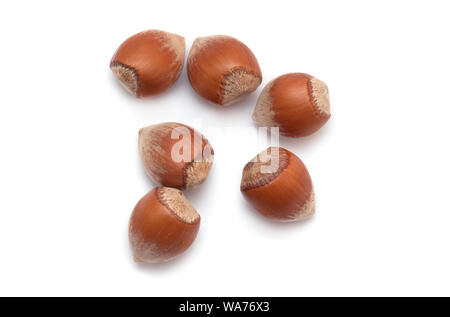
{"type": "Point", "coordinates": [307, 210]}
{"type": "Point", "coordinates": [178, 46]}
{"type": "Point", "coordinates": [174, 199]}
{"type": "Point", "coordinates": [200, 43]}
{"type": "Point", "coordinates": [236, 83]}
{"type": "Point", "coordinates": [321, 99]}
{"type": "Point", "coordinates": [263, 113]}
{"type": "Point", "coordinates": [127, 77]}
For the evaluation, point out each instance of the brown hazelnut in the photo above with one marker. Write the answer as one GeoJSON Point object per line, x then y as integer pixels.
{"type": "Point", "coordinates": [162, 226]}
{"type": "Point", "coordinates": [221, 69]}
{"type": "Point", "coordinates": [175, 155]}
{"type": "Point", "coordinates": [277, 184]}
{"type": "Point", "coordinates": [149, 62]}
{"type": "Point", "coordinates": [296, 103]}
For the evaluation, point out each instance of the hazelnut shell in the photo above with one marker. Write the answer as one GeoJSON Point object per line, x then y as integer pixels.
{"type": "Point", "coordinates": [162, 226]}
{"type": "Point", "coordinates": [149, 62]}
{"type": "Point", "coordinates": [277, 184]}
{"type": "Point", "coordinates": [156, 143]}
{"type": "Point", "coordinates": [221, 69]}
{"type": "Point", "coordinates": [296, 103]}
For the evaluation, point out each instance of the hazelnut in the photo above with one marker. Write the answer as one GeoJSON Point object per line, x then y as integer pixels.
{"type": "Point", "coordinates": [277, 184]}
{"type": "Point", "coordinates": [149, 62]}
{"type": "Point", "coordinates": [175, 155]}
{"type": "Point", "coordinates": [296, 103]}
{"type": "Point", "coordinates": [162, 226]}
{"type": "Point", "coordinates": [221, 69]}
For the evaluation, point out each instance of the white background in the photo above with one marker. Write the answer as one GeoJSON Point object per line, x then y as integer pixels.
{"type": "Point", "coordinates": [70, 174]}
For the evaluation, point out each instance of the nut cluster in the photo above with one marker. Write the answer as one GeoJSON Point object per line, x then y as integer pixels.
{"type": "Point", "coordinates": [221, 69]}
